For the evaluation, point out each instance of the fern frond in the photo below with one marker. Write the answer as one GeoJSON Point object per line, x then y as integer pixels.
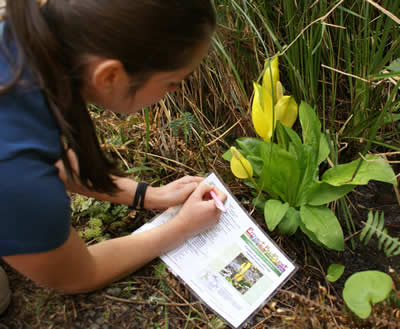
{"type": "Point", "coordinates": [375, 225]}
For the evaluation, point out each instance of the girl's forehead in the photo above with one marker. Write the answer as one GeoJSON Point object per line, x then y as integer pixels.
{"type": "Point", "coordinates": [173, 75]}
{"type": "Point", "coordinates": [197, 55]}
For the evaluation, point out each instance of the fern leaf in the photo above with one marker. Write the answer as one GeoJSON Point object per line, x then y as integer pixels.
{"type": "Point", "coordinates": [394, 249]}
{"type": "Point", "coordinates": [366, 233]}
{"type": "Point", "coordinates": [375, 225]}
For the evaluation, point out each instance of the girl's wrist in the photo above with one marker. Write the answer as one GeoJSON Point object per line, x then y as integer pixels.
{"type": "Point", "coordinates": [152, 198]}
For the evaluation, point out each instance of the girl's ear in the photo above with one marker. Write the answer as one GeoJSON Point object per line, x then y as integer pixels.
{"type": "Point", "coordinates": [106, 75]}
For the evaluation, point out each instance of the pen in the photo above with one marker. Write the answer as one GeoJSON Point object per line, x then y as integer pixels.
{"type": "Point", "coordinates": [218, 202]}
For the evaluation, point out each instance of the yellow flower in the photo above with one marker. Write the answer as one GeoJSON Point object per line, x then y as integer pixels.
{"type": "Point", "coordinates": [262, 118]}
{"type": "Point", "coordinates": [240, 166]}
{"type": "Point", "coordinates": [271, 75]}
{"type": "Point", "coordinates": [286, 111]}
{"type": "Point", "coordinates": [266, 109]}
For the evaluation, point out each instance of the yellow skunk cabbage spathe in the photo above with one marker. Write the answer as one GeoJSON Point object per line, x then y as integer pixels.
{"type": "Point", "coordinates": [271, 75]}
{"type": "Point", "coordinates": [240, 166]}
{"type": "Point", "coordinates": [269, 104]}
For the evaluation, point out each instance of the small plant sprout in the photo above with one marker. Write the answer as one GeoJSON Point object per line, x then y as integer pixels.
{"type": "Point", "coordinates": [335, 271]}
{"type": "Point", "coordinates": [269, 104]}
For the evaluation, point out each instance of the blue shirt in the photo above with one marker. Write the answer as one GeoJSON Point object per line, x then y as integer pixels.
{"type": "Point", "coordinates": [34, 205]}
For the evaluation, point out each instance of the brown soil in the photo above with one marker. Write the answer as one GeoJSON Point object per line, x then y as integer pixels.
{"type": "Point", "coordinates": [146, 300]}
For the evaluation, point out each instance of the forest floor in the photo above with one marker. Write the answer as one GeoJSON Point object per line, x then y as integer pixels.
{"type": "Point", "coordinates": [154, 298]}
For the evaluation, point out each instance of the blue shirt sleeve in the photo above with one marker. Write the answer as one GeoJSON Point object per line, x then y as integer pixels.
{"type": "Point", "coordinates": [34, 206]}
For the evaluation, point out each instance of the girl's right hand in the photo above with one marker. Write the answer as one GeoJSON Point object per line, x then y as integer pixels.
{"type": "Point", "coordinates": [199, 212]}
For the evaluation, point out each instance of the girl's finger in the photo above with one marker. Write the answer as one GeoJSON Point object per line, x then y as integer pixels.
{"type": "Point", "coordinates": [189, 187]}
{"type": "Point", "coordinates": [190, 179]}
{"type": "Point", "coordinates": [221, 195]}
{"type": "Point", "coordinates": [203, 190]}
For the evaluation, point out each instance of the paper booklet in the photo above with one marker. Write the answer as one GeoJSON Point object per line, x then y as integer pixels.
{"type": "Point", "coordinates": [234, 268]}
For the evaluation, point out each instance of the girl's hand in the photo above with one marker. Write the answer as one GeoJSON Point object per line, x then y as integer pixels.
{"type": "Point", "coordinates": [172, 194]}
{"type": "Point", "coordinates": [199, 213]}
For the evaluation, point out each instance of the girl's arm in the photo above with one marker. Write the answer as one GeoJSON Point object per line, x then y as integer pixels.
{"type": "Point", "coordinates": [172, 194]}
{"type": "Point", "coordinates": [75, 268]}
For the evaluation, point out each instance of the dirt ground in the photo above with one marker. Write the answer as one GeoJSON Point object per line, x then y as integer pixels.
{"type": "Point", "coordinates": [154, 298]}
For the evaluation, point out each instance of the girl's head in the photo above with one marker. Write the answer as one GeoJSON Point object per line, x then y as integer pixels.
{"type": "Point", "coordinates": [106, 52]}
{"type": "Point", "coordinates": [108, 84]}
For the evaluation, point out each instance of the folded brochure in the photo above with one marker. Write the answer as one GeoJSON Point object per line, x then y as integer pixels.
{"type": "Point", "coordinates": [234, 268]}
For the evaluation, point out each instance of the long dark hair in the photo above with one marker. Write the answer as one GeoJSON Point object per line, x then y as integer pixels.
{"type": "Point", "coordinates": [146, 36]}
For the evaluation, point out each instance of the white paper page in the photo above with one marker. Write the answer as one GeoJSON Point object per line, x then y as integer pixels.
{"type": "Point", "coordinates": [233, 267]}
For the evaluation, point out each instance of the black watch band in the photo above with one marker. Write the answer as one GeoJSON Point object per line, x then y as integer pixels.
{"type": "Point", "coordinates": [138, 201]}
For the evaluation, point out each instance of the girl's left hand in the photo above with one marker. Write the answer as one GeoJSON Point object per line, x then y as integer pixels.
{"type": "Point", "coordinates": [172, 194]}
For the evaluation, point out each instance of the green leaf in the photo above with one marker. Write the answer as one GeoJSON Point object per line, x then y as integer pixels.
{"type": "Point", "coordinates": [257, 163]}
{"type": "Point", "coordinates": [290, 222]}
{"type": "Point", "coordinates": [323, 223]}
{"type": "Point", "coordinates": [250, 145]}
{"type": "Point", "coordinates": [311, 127]}
{"type": "Point", "coordinates": [322, 193]}
{"type": "Point", "coordinates": [335, 271]}
{"type": "Point", "coordinates": [310, 234]}
{"type": "Point", "coordinates": [227, 155]}
{"type": "Point", "coordinates": [295, 141]}
{"type": "Point", "coordinates": [274, 211]}
{"type": "Point", "coordinates": [280, 174]}
{"type": "Point", "coordinates": [363, 289]}
{"type": "Point", "coordinates": [324, 149]}
{"type": "Point", "coordinates": [308, 172]}
{"type": "Point", "coordinates": [373, 168]}
{"type": "Point", "coordinates": [282, 136]}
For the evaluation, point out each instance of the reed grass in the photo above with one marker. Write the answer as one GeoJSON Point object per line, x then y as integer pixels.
{"type": "Point", "coordinates": [330, 50]}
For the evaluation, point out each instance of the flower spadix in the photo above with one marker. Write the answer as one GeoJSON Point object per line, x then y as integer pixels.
{"type": "Point", "coordinates": [269, 104]}
{"type": "Point", "coordinates": [240, 166]}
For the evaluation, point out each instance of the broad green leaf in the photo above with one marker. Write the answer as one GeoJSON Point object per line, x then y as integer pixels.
{"type": "Point", "coordinates": [250, 145]}
{"type": "Point", "coordinates": [311, 127]}
{"type": "Point", "coordinates": [295, 140]}
{"type": "Point", "coordinates": [274, 211]}
{"type": "Point", "coordinates": [281, 173]}
{"type": "Point", "coordinates": [257, 163]}
{"type": "Point", "coordinates": [310, 234]}
{"type": "Point", "coordinates": [335, 271]}
{"type": "Point", "coordinates": [321, 193]}
{"type": "Point", "coordinates": [323, 223]}
{"type": "Point", "coordinates": [282, 136]}
{"type": "Point", "coordinates": [364, 289]}
{"type": "Point", "coordinates": [290, 222]}
{"type": "Point", "coordinates": [308, 171]}
{"type": "Point", "coordinates": [373, 168]}
{"type": "Point", "coordinates": [324, 149]}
